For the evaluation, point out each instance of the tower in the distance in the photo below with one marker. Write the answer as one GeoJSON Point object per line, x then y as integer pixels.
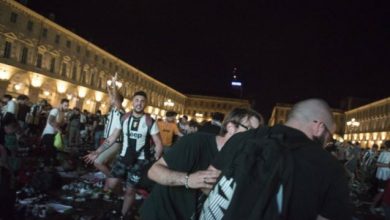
{"type": "Point", "coordinates": [236, 84]}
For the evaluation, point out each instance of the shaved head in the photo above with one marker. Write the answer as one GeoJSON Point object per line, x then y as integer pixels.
{"type": "Point", "coordinates": [310, 110]}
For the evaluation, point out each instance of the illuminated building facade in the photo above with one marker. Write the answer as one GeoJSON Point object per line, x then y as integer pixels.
{"type": "Point", "coordinates": [43, 60]}
{"type": "Point", "coordinates": [368, 124]}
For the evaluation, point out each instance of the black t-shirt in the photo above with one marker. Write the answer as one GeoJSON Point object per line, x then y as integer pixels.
{"type": "Point", "coordinates": [320, 183]}
{"type": "Point", "coordinates": [210, 128]}
{"type": "Point", "coordinates": [22, 112]}
{"type": "Point", "coordinates": [190, 154]}
{"type": "Point", "coordinates": [99, 121]}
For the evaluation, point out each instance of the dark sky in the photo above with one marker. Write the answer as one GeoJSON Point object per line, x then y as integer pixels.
{"type": "Point", "coordinates": [285, 51]}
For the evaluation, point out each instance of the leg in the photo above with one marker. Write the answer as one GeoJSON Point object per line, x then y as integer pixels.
{"type": "Point", "coordinates": [128, 200]}
{"type": "Point", "coordinates": [104, 160]}
{"type": "Point", "coordinates": [113, 184]}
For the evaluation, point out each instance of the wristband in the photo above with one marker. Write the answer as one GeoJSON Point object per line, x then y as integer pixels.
{"type": "Point", "coordinates": [186, 181]}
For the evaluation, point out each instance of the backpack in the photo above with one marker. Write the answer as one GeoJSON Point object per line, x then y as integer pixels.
{"type": "Point", "coordinates": [249, 187]}
{"type": "Point", "coordinates": [148, 147]}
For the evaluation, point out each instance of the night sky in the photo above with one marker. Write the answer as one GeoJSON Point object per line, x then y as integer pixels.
{"type": "Point", "coordinates": [284, 51]}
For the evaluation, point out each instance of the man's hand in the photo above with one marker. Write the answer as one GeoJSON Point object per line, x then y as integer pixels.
{"type": "Point", "coordinates": [91, 157]}
{"type": "Point", "coordinates": [203, 179]}
{"type": "Point", "coordinates": [210, 168]}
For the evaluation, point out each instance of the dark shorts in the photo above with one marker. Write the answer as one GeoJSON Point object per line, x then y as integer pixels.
{"type": "Point", "coordinates": [131, 174]}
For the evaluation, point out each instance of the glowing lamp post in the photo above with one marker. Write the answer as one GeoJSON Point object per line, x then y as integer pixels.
{"type": "Point", "coordinates": [169, 103]}
{"type": "Point", "coordinates": [352, 125]}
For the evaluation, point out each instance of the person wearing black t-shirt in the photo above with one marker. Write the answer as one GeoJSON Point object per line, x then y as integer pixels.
{"type": "Point", "coordinates": [181, 172]}
{"type": "Point", "coordinates": [320, 187]}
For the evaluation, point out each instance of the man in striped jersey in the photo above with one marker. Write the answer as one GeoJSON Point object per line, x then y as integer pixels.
{"type": "Point", "coordinates": [106, 152]}
{"type": "Point", "coordinates": [138, 129]}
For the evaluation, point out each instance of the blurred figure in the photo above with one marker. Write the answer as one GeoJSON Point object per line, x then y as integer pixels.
{"type": "Point", "coordinates": [55, 120]}
{"type": "Point", "coordinates": [168, 129]}
{"type": "Point", "coordinates": [10, 107]}
{"type": "Point", "coordinates": [213, 126]}
{"type": "Point", "coordinates": [183, 124]}
{"type": "Point", "coordinates": [74, 137]}
{"type": "Point", "coordinates": [98, 128]}
{"type": "Point", "coordinates": [23, 109]}
{"type": "Point", "coordinates": [382, 174]}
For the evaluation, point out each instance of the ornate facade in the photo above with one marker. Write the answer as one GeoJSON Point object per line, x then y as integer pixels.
{"type": "Point", "coordinates": [368, 124]}
{"type": "Point", "coordinates": [41, 59]}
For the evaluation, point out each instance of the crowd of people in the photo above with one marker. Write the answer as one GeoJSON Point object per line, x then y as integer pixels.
{"type": "Point", "coordinates": [232, 167]}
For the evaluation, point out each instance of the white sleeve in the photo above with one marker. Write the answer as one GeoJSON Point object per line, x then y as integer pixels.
{"type": "Point", "coordinates": [11, 107]}
{"type": "Point", "coordinates": [154, 130]}
{"type": "Point", "coordinates": [54, 112]}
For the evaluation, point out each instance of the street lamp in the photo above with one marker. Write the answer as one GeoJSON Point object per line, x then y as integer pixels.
{"type": "Point", "coordinates": [169, 103]}
{"type": "Point", "coordinates": [5, 75]}
{"type": "Point", "coordinates": [117, 83]}
{"type": "Point", "coordinates": [353, 123]}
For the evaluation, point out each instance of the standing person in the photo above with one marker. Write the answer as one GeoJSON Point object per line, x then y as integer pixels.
{"type": "Point", "coordinates": [55, 120]}
{"type": "Point", "coordinates": [104, 155]}
{"type": "Point", "coordinates": [130, 165]}
{"type": "Point", "coordinates": [23, 109]}
{"type": "Point", "coordinates": [132, 162]}
{"type": "Point", "coordinates": [183, 124]}
{"type": "Point", "coordinates": [8, 126]}
{"type": "Point", "coordinates": [382, 174]}
{"type": "Point", "coordinates": [213, 126]}
{"type": "Point", "coordinates": [74, 138]}
{"type": "Point", "coordinates": [35, 117]}
{"type": "Point", "coordinates": [98, 128]}
{"type": "Point", "coordinates": [11, 106]}
{"type": "Point", "coordinates": [168, 128]}
{"type": "Point", "coordinates": [182, 171]}
{"type": "Point", "coordinates": [317, 189]}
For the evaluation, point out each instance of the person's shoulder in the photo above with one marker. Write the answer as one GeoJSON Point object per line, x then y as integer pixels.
{"type": "Point", "coordinates": [197, 137]}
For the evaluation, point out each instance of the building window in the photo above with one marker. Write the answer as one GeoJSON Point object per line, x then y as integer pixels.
{"type": "Point", "coordinates": [57, 39]}
{"type": "Point", "coordinates": [52, 64]}
{"type": "Point", "coordinates": [63, 70]}
{"type": "Point", "coordinates": [68, 44]}
{"type": "Point", "coordinates": [87, 53]}
{"type": "Point", "coordinates": [14, 17]}
{"type": "Point", "coordinates": [24, 55]}
{"type": "Point", "coordinates": [96, 58]}
{"type": "Point", "coordinates": [30, 26]}
{"type": "Point", "coordinates": [103, 61]}
{"type": "Point", "coordinates": [39, 60]}
{"type": "Point", "coordinates": [74, 72]}
{"type": "Point", "coordinates": [7, 49]}
{"type": "Point", "coordinates": [110, 65]}
{"type": "Point", "coordinates": [44, 33]}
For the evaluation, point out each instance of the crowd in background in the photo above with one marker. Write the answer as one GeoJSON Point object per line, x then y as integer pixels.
{"type": "Point", "coordinates": [82, 129]}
